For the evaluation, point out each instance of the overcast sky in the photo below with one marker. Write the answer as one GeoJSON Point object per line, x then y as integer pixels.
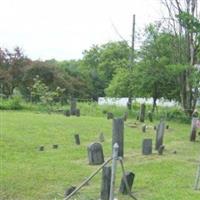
{"type": "Point", "coordinates": [63, 29]}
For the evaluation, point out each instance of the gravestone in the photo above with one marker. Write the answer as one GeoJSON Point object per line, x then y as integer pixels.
{"type": "Point", "coordinates": [142, 112]}
{"type": "Point", "coordinates": [101, 137]}
{"type": "Point", "coordinates": [155, 127]}
{"type": "Point", "coordinates": [69, 190]}
{"type": "Point", "coordinates": [144, 128]}
{"type": "Point", "coordinates": [167, 126]}
{"type": "Point", "coordinates": [130, 178]}
{"type": "Point", "coordinates": [160, 134]}
{"type": "Point", "coordinates": [118, 135]}
{"type": "Point", "coordinates": [55, 146]}
{"type": "Point", "coordinates": [95, 154]}
{"type": "Point", "coordinates": [161, 149]}
{"type": "Point", "coordinates": [147, 146]}
{"type": "Point", "coordinates": [193, 131]}
{"type": "Point", "coordinates": [41, 148]}
{"type": "Point", "coordinates": [77, 139]}
{"type": "Point", "coordinates": [150, 116]}
{"type": "Point", "coordinates": [73, 106]}
{"type": "Point", "coordinates": [105, 183]}
{"type": "Point", "coordinates": [67, 113]}
{"type": "Point", "coordinates": [110, 115]}
{"type": "Point", "coordinates": [129, 103]}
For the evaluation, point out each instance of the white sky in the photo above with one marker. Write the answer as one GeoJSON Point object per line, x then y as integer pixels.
{"type": "Point", "coordinates": [63, 29]}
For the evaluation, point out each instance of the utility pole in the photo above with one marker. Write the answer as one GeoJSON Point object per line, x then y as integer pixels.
{"type": "Point", "coordinates": [129, 104]}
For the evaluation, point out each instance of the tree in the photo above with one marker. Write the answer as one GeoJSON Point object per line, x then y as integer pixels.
{"type": "Point", "coordinates": [184, 23]}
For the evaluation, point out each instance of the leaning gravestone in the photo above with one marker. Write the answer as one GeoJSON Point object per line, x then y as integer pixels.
{"type": "Point", "coordinates": [105, 184]}
{"type": "Point", "coordinates": [142, 112]}
{"type": "Point", "coordinates": [160, 134]}
{"type": "Point", "coordinates": [130, 178]}
{"type": "Point", "coordinates": [118, 134]}
{"type": "Point", "coordinates": [95, 154]}
{"type": "Point", "coordinates": [147, 146]}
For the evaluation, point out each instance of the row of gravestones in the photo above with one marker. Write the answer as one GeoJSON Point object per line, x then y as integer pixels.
{"type": "Point", "coordinates": [140, 116]}
{"type": "Point", "coordinates": [147, 143]}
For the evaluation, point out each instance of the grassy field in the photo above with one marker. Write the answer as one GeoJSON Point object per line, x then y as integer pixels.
{"type": "Point", "coordinates": [29, 174]}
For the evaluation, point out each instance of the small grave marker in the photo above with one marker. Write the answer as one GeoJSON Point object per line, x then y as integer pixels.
{"type": "Point", "coordinates": [144, 128]}
{"type": "Point", "coordinates": [55, 146]}
{"type": "Point", "coordinates": [77, 139]}
{"type": "Point", "coordinates": [101, 137]}
{"type": "Point", "coordinates": [142, 112]}
{"type": "Point", "coordinates": [130, 178]}
{"type": "Point", "coordinates": [147, 146]}
{"type": "Point", "coordinates": [110, 115]}
{"type": "Point", "coordinates": [41, 148]}
{"type": "Point", "coordinates": [161, 149]}
{"type": "Point", "coordinates": [95, 154]}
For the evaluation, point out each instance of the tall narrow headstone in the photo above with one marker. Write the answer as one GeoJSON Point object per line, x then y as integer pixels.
{"type": "Point", "coordinates": [130, 178]}
{"type": "Point", "coordinates": [77, 139]}
{"type": "Point", "coordinates": [144, 128]}
{"type": "Point", "coordinates": [160, 134]}
{"type": "Point", "coordinates": [147, 146]}
{"type": "Point", "coordinates": [95, 154]}
{"type": "Point", "coordinates": [73, 106]}
{"type": "Point", "coordinates": [193, 131]}
{"type": "Point", "coordinates": [142, 112]}
{"type": "Point", "coordinates": [118, 135]}
{"type": "Point", "coordinates": [105, 183]}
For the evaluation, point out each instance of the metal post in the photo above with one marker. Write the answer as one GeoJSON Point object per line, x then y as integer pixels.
{"type": "Point", "coordinates": [196, 186]}
{"type": "Point", "coordinates": [113, 173]}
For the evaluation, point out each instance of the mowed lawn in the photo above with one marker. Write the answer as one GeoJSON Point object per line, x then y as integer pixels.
{"type": "Point", "coordinates": [29, 174]}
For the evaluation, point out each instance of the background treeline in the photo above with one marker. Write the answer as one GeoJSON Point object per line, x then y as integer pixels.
{"type": "Point", "coordinates": [166, 65]}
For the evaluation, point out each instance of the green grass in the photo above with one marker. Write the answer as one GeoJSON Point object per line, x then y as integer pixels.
{"type": "Point", "coordinates": [29, 174]}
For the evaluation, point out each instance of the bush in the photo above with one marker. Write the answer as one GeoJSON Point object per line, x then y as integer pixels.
{"type": "Point", "coordinates": [13, 103]}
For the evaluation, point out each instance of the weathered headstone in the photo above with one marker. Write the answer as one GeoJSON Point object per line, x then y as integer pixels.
{"type": "Point", "coordinates": [193, 129]}
{"type": "Point", "coordinates": [77, 139]}
{"type": "Point", "coordinates": [118, 135]}
{"type": "Point", "coordinates": [95, 154]}
{"type": "Point", "coordinates": [105, 183]}
{"type": "Point", "coordinates": [110, 115]}
{"type": "Point", "coordinates": [160, 134]}
{"type": "Point", "coordinates": [144, 128]}
{"type": "Point", "coordinates": [150, 116]}
{"type": "Point", "coordinates": [69, 190]}
{"type": "Point", "coordinates": [55, 146]}
{"type": "Point", "coordinates": [73, 106]}
{"type": "Point", "coordinates": [155, 127]}
{"type": "Point", "coordinates": [101, 137]}
{"type": "Point", "coordinates": [147, 146]}
{"type": "Point", "coordinates": [67, 113]}
{"type": "Point", "coordinates": [129, 103]}
{"type": "Point", "coordinates": [142, 112]}
{"type": "Point", "coordinates": [130, 178]}
{"type": "Point", "coordinates": [161, 149]}
{"type": "Point", "coordinates": [167, 126]}
{"type": "Point", "coordinates": [41, 148]}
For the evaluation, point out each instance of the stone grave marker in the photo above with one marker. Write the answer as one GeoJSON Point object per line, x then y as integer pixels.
{"type": "Point", "coordinates": [77, 139]}
{"type": "Point", "coordinates": [150, 116]}
{"type": "Point", "coordinates": [161, 149]}
{"type": "Point", "coordinates": [55, 146]}
{"type": "Point", "coordinates": [73, 106]}
{"type": "Point", "coordinates": [130, 178]}
{"type": "Point", "coordinates": [147, 146]}
{"type": "Point", "coordinates": [110, 115]}
{"type": "Point", "coordinates": [142, 112]}
{"type": "Point", "coordinates": [118, 134]}
{"type": "Point", "coordinates": [101, 137]}
{"type": "Point", "coordinates": [41, 148]}
{"type": "Point", "coordinates": [144, 128]}
{"type": "Point", "coordinates": [95, 154]}
{"type": "Point", "coordinates": [105, 183]}
{"type": "Point", "coordinates": [160, 134]}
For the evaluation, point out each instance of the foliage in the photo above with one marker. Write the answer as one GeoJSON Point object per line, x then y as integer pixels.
{"type": "Point", "coordinates": [13, 103]}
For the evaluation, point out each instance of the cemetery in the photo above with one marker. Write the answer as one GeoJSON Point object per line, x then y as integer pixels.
{"type": "Point", "coordinates": [55, 156]}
